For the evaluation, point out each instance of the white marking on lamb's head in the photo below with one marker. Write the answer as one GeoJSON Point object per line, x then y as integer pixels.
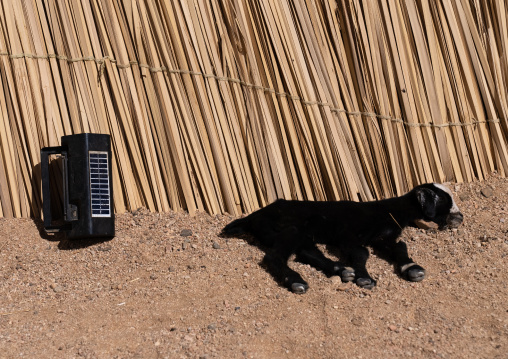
{"type": "Point", "coordinates": [455, 208]}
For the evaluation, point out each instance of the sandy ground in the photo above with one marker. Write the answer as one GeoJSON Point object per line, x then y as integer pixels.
{"type": "Point", "coordinates": [167, 286]}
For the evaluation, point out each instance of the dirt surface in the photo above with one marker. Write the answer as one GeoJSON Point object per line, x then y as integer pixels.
{"type": "Point", "coordinates": [167, 286]}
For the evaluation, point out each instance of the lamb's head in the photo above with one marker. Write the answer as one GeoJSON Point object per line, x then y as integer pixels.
{"type": "Point", "coordinates": [438, 206]}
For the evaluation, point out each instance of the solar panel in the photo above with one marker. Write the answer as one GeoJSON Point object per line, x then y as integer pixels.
{"type": "Point", "coordinates": [99, 184]}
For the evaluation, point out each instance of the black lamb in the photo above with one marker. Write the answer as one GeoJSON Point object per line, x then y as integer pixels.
{"type": "Point", "coordinates": [347, 228]}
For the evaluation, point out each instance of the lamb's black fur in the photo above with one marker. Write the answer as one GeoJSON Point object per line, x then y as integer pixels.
{"type": "Point", "coordinates": [295, 227]}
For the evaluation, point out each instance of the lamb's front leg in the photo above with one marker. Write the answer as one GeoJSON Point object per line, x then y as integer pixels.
{"type": "Point", "coordinates": [396, 253]}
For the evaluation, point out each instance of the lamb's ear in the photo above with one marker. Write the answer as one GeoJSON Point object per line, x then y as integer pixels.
{"type": "Point", "coordinates": [428, 200]}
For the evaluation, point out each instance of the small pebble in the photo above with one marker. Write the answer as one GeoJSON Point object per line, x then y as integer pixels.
{"type": "Point", "coordinates": [464, 197]}
{"type": "Point", "coordinates": [485, 238]}
{"type": "Point", "coordinates": [105, 248]}
{"type": "Point", "coordinates": [137, 211]}
{"type": "Point", "coordinates": [215, 245]}
{"type": "Point", "coordinates": [357, 321]}
{"type": "Point", "coordinates": [186, 233]}
{"type": "Point", "coordinates": [487, 192]}
{"type": "Point", "coordinates": [57, 288]}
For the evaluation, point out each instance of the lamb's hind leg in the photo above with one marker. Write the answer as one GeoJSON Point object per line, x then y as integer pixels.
{"type": "Point", "coordinates": [311, 255]}
{"type": "Point", "coordinates": [357, 257]}
{"type": "Point", "coordinates": [276, 261]}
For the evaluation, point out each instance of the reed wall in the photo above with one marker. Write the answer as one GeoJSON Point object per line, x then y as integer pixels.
{"type": "Point", "coordinates": [226, 105]}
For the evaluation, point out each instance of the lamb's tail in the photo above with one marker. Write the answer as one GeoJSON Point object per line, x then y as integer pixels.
{"type": "Point", "coordinates": [235, 228]}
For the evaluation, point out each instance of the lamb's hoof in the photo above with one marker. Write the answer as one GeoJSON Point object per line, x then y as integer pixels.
{"type": "Point", "coordinates": [299, 288]}
{"type": "Point", "coordinates": [413, 272]}
{"type": "Point", "coordinates": [366, 283]}
{"type": "Point", "coordinates": [347, 274]}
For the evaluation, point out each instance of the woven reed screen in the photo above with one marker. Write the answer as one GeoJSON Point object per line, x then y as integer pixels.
{"type": "Point", "coordinates": [224, 106]}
